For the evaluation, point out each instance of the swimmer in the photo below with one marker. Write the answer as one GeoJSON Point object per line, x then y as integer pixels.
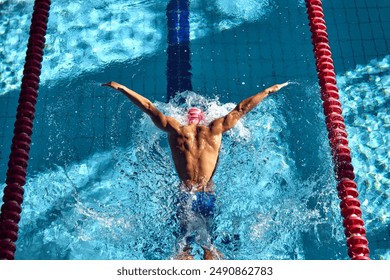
{"type": "Point", "coordinates": [195, 151]}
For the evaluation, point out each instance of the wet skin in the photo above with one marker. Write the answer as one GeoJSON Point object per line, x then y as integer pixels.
{"type": "Point", "coordinates": [195, 147]}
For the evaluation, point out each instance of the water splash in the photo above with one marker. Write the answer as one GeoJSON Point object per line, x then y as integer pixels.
{"type": "Point", "coordinates": [293, 83]}
{"type": "Point", "coordinates": [122, 204]}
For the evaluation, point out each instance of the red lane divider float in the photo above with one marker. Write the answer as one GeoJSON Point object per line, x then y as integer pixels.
{"type": "Point", "coordinates": [18, 160]}
{"type": "Point", "coordinates": [347, 190]}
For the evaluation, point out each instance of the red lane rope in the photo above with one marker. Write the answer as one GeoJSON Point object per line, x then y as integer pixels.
{"type": "Point", "coordinates": [17, 165]}
{"type": "Point", "coordinates": [347, 190]}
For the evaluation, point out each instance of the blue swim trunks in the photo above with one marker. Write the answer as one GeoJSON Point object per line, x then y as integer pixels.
{"type": "Point", "coordinates": [195, 213]}
{"type": "Point", "coordinates": [201, 202]}
{"type": "Point", "coordinates": [204, 204]}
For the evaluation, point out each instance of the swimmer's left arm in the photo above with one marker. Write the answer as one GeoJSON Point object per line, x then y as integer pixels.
{"type": "Point", "coordinates": [230, 120]}
{"type": "Point", "coordinates": [249, 103]}
{"type": "Point", "coordinates": [160, 120]}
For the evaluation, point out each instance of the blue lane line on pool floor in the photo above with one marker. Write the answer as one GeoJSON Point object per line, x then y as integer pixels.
{"type": "Point", "coordinates": [178, 65]}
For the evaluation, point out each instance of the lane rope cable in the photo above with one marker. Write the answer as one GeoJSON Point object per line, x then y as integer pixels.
{"type": "Point", "coordinates": [353, 223]}
{"type": "Point", "coordinates": [18, 159]}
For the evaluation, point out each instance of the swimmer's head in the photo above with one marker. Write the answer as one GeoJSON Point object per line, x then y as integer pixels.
{"type": "Point", "coordinates": [195, 115]}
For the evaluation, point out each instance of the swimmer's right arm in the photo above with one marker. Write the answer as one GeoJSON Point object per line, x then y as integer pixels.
{"type": "Point", "coordinates": [163, 122]}
{"type": "Point", "coordinates": [230, 120]}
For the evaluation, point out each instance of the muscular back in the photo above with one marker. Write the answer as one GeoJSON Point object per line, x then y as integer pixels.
{"type": "Point", "coordinates": [194, 147]}
{"type": "Point", "coordinates": [195, 150]}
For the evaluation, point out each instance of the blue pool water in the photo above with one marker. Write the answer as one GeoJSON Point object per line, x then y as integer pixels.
{"type": "Point", "coordinates": [101, 181]}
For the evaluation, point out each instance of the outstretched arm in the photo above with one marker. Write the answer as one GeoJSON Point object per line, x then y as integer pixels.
{"type": "Point", "coordinates": [163, 122]}
{"type": "Point", "coordinates": [230, 120]}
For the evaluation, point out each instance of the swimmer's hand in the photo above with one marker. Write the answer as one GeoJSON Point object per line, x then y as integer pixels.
{"type": "Point", "coordinates": [112, 84]}
{"type": "Point", "coordinates": [276, 87]}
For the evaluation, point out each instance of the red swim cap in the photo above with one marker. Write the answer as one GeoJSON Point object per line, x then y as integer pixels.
{"type": "Point", "coordinates": [195, 115]}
